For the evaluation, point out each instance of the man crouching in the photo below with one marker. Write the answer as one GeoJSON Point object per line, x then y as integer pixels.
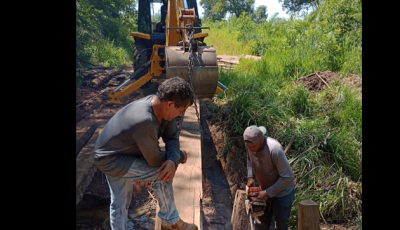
{"type": "Point", "coordinates": [127, 149]}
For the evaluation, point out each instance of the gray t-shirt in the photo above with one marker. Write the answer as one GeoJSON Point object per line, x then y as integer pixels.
{"type": "Point", "coordinates": [271, 168]}
{"type": "Point", "coordinates": [135, 131]}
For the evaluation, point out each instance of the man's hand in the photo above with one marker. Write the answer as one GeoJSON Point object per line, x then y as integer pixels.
{"type": "Point", "coordinates": [250, 182]}
{"type": "Point", "coordinates": [167, 171]}
{"type": "Point", "coordinates": [262, 195]}
{"type": "Point", "coordinates": [185, 154]}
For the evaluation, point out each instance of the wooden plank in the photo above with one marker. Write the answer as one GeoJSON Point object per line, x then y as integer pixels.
{"type": "Point", "coordinates": [83, 134]}
{"type": "Point", "coordinates": [190, 119]}
{"type": "Point", "coordinates": [85, 168]}
{"type": "Point", "coordinates": [240, 219]}
{"type": "Point", "coordinates": [308, 215]}
{"type": "Point", "coordinates": [187, 183]}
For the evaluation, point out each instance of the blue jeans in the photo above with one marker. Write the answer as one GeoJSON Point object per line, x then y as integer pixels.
{"type": "Point", "coordinates": [280, 208]}
{"type": "Point", "coordinates": [121, 194]}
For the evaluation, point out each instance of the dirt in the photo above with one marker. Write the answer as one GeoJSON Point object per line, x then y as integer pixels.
{"type": "Point", "coordinates": [316, 82]}
{"type": "Point", "coordinates": [217, 202]}
{"type": "Point", "coordinates": [224, 170]}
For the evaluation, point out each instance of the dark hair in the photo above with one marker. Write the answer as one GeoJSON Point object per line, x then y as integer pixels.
{"type": "Point", "coordinates": [176, 89]}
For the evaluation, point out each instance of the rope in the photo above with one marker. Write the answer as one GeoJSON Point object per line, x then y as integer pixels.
{"type": "Point", "coordinates": [91, 98]}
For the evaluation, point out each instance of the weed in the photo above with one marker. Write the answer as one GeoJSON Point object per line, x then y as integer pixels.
{"type": "Point", "coordinates": [359, 223]}
{"type": "Point", "coordinates": [266, 93]}
{"type": "Point", "coordinates": [79, 79]}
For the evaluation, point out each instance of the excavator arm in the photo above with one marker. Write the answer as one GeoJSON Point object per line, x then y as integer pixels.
{"type": "Point", "coordinates": [172, 57]}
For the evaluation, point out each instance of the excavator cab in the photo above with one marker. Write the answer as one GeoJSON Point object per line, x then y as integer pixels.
{"type": "Point", "coordinates": [170, 37]}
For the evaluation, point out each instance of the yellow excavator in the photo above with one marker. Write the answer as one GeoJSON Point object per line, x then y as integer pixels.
{"type": "Point", "coordinates": [171, 47]}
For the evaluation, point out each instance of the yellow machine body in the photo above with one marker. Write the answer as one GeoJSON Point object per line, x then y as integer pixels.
{"type": "Point", "coordinates": [176, 59]}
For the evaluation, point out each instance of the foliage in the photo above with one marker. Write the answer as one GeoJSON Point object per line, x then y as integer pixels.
{"type": "Point", "coordinates": [105, 52]}
{"type": "Point", "coordinates": [237, 7]}
{"type": "Point", "coordinates": [79, 79]}
{"type": "Point", "coordinates": [359, 223]}
{"type": "Point", "coordinates": [214, 9]}
{"type": "Point", "coordinates": [330, 38]}
{"type": "Point", "coordinates": [266, 93]}
{"type": "Point", "coordinates": [260, 14]}
{"type": "Point", "coordinates": [100, 21]}
{"type": "Point", "coordinates": [217, 9]}
{"type": "Point", "coordinates": [292, 6]}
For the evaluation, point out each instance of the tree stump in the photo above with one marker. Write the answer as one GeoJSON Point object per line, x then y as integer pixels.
{"type": "Point", "coordinates": [308, 215]}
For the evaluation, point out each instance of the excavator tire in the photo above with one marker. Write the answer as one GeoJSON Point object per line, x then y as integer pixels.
{"type": "Point", "coordinates": [140, 56]}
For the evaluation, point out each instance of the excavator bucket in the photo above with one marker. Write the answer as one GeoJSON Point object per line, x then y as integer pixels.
{"type": "Point", "coordinates": [205, 71]}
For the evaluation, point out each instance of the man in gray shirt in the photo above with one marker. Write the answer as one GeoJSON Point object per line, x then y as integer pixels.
{"type": "Point", "coordinates": [128, 148]}
{"type": "Point", "coordinates": [266, 158]}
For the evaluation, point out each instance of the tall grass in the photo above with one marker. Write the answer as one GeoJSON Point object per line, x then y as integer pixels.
{"type": "Point", "coordinates": [224, 36]}
{"type": "Point", "coordinates": [265, 93]}
{"type": "Point", "coordinates": [324, 40]}
{"type": "Point", "coordinates": [104, 51]}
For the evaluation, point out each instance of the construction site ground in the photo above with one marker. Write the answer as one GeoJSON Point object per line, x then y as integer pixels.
{"type": "Point", "coordinates": [221, 176]}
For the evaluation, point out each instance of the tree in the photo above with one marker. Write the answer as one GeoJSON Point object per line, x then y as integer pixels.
{"type": "Point", "coordinates": [217, 9]}
{"type": "Point", "coordinates": [214, 9]}
{"type": "Point", "coordinates": [260, 14]}
{"type": "Point", "coordinates": [238, 6]}
{"type": "Point", "coordinates": [98, 21]}
{"type": "Point", "coordinates": [292, 6]}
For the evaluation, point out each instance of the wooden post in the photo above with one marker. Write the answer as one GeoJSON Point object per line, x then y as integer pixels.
{"type": "Point", "coordinates": [239, 218]}
{"type": "Point", "coordinates": [308, 217]}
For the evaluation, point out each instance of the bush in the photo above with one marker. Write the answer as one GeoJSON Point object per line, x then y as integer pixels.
{"type": "Point", "coordinates": [266, 93]}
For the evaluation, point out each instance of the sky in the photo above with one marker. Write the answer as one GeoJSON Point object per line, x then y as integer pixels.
{"type": "Point", "coordinates": [273, 6]}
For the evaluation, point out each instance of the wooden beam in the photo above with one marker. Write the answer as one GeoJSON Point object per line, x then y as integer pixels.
{"type": "Point", "coordinates": [83, 134]}
{"type": "Point", "coordinates": [240, 219]}
{"type": "Point", "coordinates": [187, 182]}
{"type": "Point", "coordinates": [308, 215]}
{"type": "Point", "coordinates": [85, 168]}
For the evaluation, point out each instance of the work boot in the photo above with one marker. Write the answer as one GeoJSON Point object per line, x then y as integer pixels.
{"type": "Point", "coordinates": [180, 225]}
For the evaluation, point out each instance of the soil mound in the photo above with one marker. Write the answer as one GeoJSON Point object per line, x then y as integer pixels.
{"type": "Point", "coordinates": [319, 80]}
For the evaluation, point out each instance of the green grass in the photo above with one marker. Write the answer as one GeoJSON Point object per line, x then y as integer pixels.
{"type": "Point", "coordinates": [261, 97]}
{"type": "Point", "coordinates": [224, 40]}
{"type": "Point", "coordinates": [265, 94]}
{"type": "Point", "coordinates": [105, 51]}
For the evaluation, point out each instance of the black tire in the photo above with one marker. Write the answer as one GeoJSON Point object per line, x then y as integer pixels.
{"type": "Point", "coordinates": [140, 56]}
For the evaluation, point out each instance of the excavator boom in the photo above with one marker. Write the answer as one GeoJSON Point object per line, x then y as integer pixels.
{"type": "Point", "coordinates": [176, 50]}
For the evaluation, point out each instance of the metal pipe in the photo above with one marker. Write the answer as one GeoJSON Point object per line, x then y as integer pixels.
{"type": "Point", "coordinates": [134, 75]}
{"type": "Point", "coordinates": [226, 88]}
